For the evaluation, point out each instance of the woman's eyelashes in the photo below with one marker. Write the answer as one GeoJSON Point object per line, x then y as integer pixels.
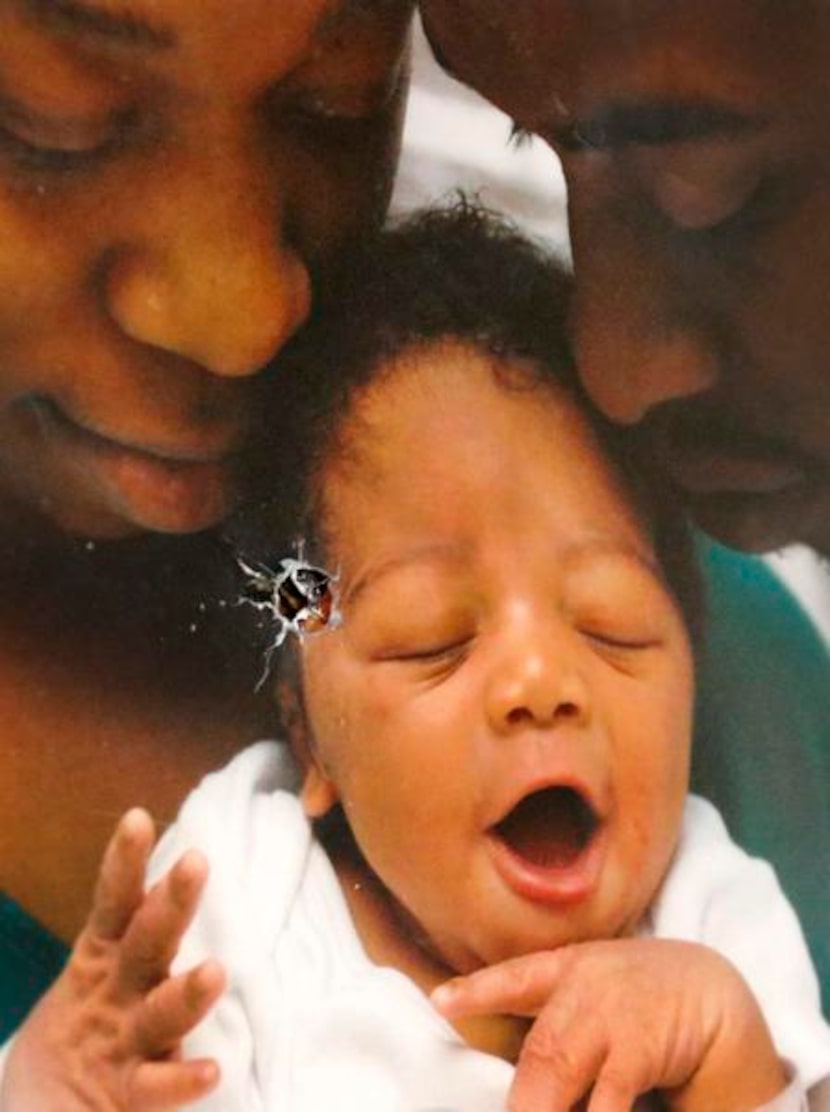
{"type": "Point", "coordinates": [40, 158]}
{"type": "Point", "coordinates": [53, 149]}
{"type": "Point", "coordinates": [329, 114]}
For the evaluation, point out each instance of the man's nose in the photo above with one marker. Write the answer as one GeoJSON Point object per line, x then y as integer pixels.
{"type": "Point", "coordinates": [537, 680]}
{"type": "Point", "coordinates": [206, 273]}
{"type": "Point", "coordinates": [636, 341]}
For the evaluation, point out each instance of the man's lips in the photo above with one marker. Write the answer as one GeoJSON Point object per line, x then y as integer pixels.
{"type": "Point", "coordinates": [548, 847]}
{"type": "Point", "coordinates": [706, 458]}
{"type": "Point", "coordinates": [746, 490]}
{"type": "Point", "coordinates": [703, 470]}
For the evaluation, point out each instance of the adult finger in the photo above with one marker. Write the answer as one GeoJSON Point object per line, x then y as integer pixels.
{"type": "Point", "coordinates": [174, 1007]}
{"type": "Point", "coordinates": [520, 986]}
{"type": "Point", "coordinates": [119, 890]}
{"type": "Point", "coordinates": [159, 1086]}
{"type": "Point", "coordinates": [155, 932]}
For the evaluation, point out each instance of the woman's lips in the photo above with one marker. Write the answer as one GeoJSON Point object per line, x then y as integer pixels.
{"type": "Point", "coordinates": [171, 491]}
{"type": "Point", "coordinates": [549, 848]}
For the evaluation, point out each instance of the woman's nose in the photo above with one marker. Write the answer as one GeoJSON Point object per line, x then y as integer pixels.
{"type": "Point", "coordinates": [207, 273]}
{"type": "Point", "coordinates": [537, 682]}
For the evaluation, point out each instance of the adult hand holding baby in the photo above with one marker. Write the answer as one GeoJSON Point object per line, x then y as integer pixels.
{"type": "Point", "coordinates": [107, 1035]}
{"type": "Point", "coordinates": [621, 1018]}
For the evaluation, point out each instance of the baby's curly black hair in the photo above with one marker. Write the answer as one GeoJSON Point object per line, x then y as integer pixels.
{"type": "Point", "coordinates": [458, 273]}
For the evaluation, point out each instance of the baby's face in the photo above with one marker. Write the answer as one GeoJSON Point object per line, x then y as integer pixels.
{"type": "Point", "coordinates": [505, 711]}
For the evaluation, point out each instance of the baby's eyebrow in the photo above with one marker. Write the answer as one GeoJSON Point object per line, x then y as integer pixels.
{"type": "Point", "coordinates": [602, 546]}
{"type": "Point", "coordinates": [430, 553]}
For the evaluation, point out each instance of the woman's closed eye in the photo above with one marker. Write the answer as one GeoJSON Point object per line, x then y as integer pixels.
{"type": "Point", "coordinates": [36, 157]}
{"type": "Point", "coordinates": [54, 149]}
{"type": "Point", "coordinates": [331, 114]}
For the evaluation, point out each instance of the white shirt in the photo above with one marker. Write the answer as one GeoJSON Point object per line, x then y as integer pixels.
{"type": "Point", "coordinates": [309, 1022]}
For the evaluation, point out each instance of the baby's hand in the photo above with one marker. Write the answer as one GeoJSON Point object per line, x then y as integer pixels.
{"type": "Point", "coordinates": [621, 1018]}
{"type": "Point", "coordinates": [107, 1035]}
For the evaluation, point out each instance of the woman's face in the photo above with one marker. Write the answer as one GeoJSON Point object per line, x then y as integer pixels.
{"type": "Point", "coordinates": [504, 711]}
{"type": "Point", "coordinates": [169, 176]}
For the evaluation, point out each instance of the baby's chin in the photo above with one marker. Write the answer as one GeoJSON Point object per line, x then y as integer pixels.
{"type": "Point", "coordinates": [499, 1035]}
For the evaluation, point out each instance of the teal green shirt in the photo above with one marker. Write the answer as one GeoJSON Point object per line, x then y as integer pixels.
{"type": "Point", "coordinates": [30, 959]}
{"type": "Point", "coordinates": [762, 754]}
{"type": "Point", "coordinates": [762, 738]}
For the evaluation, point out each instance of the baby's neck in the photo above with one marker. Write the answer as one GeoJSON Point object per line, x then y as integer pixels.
{"type": "Point", "coordinates": [388, 942]}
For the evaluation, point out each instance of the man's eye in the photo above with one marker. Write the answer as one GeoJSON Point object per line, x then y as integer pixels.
{"type": "Point", "coordinates": [519, 136]}
{"type": "Point", "coordinates": [763, 209]}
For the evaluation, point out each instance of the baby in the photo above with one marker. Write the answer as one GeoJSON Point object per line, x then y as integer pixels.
{"type": "Point", "coordinates": [491, 752]}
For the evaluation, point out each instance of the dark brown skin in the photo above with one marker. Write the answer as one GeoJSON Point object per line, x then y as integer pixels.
{"type": "Point", "coordinates": [167, 184]}
{"type": "Point", "coordinates": [694, 139]}
{"type": "Point", "coordinates": [107, 697]}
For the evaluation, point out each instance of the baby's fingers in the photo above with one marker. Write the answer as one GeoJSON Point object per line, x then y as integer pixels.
{"type": "Point", "coordinates": [614, 1091]}
{"type": "Point", "coordinates": [161, 1086]}
{"type": "Point", "coordinates": [175, 1006]}
{"type": "Point", "coordinates": [563, 1056]}
{"type": "Point", "coordinates": [520, 986]}
{"type": "Point", "coordinates": [155, 932]}
{"type": "Point", "coordinates": [120, 887]}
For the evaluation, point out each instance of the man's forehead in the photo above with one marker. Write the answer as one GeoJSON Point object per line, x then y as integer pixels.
{"type": "Point", "coordinates": [521, 54]}
{"type": "Point", "coordinates": [556, 26]}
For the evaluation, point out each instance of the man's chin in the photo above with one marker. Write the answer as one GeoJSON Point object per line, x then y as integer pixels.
{"type": "Point", "coordinates": [763, 523]}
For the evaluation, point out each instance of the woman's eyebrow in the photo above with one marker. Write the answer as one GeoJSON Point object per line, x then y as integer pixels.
{"type": "Point", "coordinates": [347, 11]}
{"type": "Point", "coordinates": [90, 20]}
{"type": "Point", "coordinates": [656, 123]}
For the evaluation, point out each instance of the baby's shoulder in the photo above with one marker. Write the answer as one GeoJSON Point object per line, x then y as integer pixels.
{"type": "Point", "coordinates": [248, 822]}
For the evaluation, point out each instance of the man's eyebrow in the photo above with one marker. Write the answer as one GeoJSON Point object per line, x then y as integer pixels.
{"type": "Point", "coordinates": [80, 17]}
{"type": "Point", "coordinates": [655, 123]}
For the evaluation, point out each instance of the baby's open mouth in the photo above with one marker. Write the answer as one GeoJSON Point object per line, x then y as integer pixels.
{"type": "Point", "coordinates": [550, 828]}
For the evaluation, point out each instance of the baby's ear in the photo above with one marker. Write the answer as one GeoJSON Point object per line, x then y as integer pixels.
{"type": "Point", "coordinates": [318, 794]}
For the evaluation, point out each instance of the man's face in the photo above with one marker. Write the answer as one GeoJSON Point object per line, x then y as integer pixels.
{"type": "Point", "coordinates": [170, 173]}
{"type": "Point", "coordinates": [504, 711]}
{"type": "Point", "coordinates": [695, 140]}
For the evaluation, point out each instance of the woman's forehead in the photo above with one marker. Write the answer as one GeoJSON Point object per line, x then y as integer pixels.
{"type": "Point", "coordinates": [271, 35]}
{"type": "Point", "coordinates": [149, 22]}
